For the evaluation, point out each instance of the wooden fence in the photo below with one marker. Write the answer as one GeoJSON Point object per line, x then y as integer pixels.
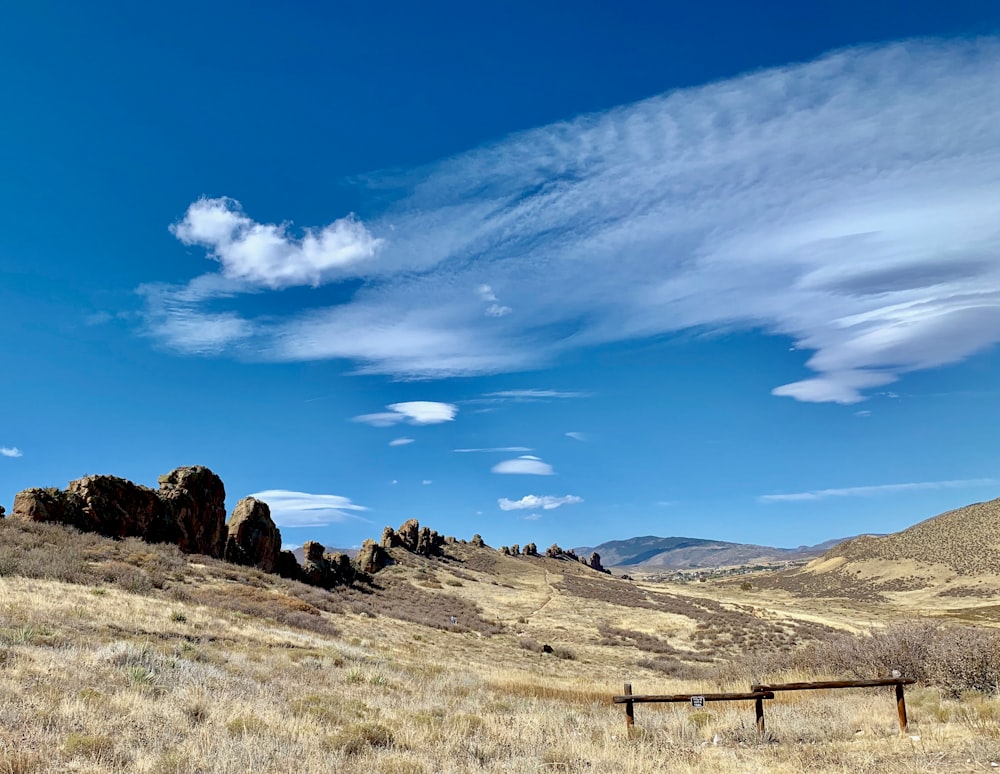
{"type": "Point", "coordinates": [761, 691]}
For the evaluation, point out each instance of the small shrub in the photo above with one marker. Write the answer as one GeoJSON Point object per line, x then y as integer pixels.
{"type": "Point", "coordinates": [357, 738]}
{"type": "Point", "coordinates": [87, 746]}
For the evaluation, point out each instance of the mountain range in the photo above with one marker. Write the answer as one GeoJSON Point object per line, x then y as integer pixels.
{"type": "Point", "coordinates": [685, 553]}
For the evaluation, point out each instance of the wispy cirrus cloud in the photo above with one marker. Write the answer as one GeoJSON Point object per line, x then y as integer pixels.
{"type": "Point", "coordinates": [494, 449]}
{"type": "Point", "coordinates": [577, 436]}
{"type": "Point", "coordinates": [532, 502]}
{"type": "Point", "coordinates": [873, 491]}
{"type": "Point", "coordinates": [526, 464]}
{"type": "Point", "coordinates": [302, 509]}
{"type": "Point", "coordinates": [404, 441]}
{"type": "Point", "coordinates": [416, 412]}
{"type": "Point", "coordinates": [847, 204]}
{"type": "Point", "coordinates": [10, 451]}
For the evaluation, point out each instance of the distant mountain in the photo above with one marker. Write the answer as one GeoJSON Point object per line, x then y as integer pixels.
{"type": "Point", "coordinates": [684, 553]}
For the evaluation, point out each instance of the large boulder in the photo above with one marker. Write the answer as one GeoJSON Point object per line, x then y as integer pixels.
{"type": "Point", "coordinates": [252, 537]}
{"type": "Point", "coordinates": [372, 557]}
{"type": "Point", "coordinates": [197, 500]}
{"type": "Point", "coordinates": [408, 534]}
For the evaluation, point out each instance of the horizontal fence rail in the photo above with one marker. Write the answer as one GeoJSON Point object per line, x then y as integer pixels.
{"type": "Point", "coordinates": [820, 685]}
{"type": "Point", "coordinates": [629, 699]}
{"type": "Point", "coordinates": [761, 691]}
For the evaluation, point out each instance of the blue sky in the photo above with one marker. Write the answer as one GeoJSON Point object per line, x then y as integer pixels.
{"type": "Point", "coordinates": [558, 272]}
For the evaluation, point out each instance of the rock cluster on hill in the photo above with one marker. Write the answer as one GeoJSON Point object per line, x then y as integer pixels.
{"type": "Point", "coordinates": [327, 570]}
{"type": "Point", "coordinates": [188, 510]}
{"type": "Point", "coordinates": [425, 542]}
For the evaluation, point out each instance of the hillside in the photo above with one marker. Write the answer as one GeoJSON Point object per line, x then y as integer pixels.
{"type": "Point", "coordinates": [946, 559]}
{"type": "Point", "coordinates": [120, 656]}
{"type": "Point", "coordinates": [682, 553]}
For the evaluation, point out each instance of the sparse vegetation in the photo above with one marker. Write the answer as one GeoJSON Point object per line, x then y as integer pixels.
{"type": "Point", "coordinates": [226, 669]}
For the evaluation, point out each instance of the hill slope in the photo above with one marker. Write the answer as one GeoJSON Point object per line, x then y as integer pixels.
{"type": "Point", "coordinates": [955, 554]}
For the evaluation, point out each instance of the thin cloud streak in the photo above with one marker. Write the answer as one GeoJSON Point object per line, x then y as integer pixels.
{"type": "Point", "coordinates": [846, 204]}
{"type": "Point", "coordinates": [10, 451]}
{"type": "Point", "coordinates": [493, 449]}
{"type": "Point", "coordinates": [873, 491]}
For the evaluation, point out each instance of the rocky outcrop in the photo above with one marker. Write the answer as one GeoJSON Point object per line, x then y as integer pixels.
{"type": "Point", "coordinates": [326, 570]}
{"type": "Point", "coordinates": [46, 505]}
{"type": "Point", "coordinates": [555, 552]}
{"type": "Point", "coordinates": [189, 508]}
{"type": "Point", "coordinates": [413, 538]}
{"type": "Point", "coordinates": [197, 499]}
{"type": "Point", "coordinates": [409, 534]}
{"type": "Point", "coordinates": [595, 563]}
{"type": "Point", "coordinates": [477, 541]}
{"type": "Point", "coordinates": [530, 549]}
{"type": "Point", "coordinates": [372, 557]}
{"type": "Point", "coordinates": [253, 539]}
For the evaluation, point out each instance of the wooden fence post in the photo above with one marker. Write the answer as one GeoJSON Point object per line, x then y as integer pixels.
{"type": "Point", "coordinates": [629, 709]}
{"type": "Point", "coordinates": [758, 707]}
{"type": "Point", "coordinates": [901, 708]}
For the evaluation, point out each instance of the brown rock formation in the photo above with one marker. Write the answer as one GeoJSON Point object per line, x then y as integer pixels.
{"type": "Point", "coordinates": [477, 541]}
{"type": "Point", "coordinates": [372, 557]}
{"type": "Point", "coordinates": [189, 509]}
{"type": "Point", "coordinates": [409, 534]}
{"type": "Point", "coordinates": [389, 538]}
{"type": "Point", "coordinates": [253, 539]}
{"type": "Point", "coordinates": [197, 499]}
{"type": "Point", "coordinates": [595, 562]}
{"type": "Point", "coordinates": [530, 549]}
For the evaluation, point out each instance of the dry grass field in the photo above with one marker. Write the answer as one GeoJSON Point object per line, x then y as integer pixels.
{"type": "Point", "coordinates": [117, 656]}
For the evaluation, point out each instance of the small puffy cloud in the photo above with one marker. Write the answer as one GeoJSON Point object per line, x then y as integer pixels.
{"type": "Point", "coordinates": [264, 254]}
{"type": "Point", "coordinates": [494, 449]}
{"type": "Point", "coordinates": [495, 309]}
{"type": "Point", "coordinates": [400, 441]}
{"type": "Point", "coordinates": [577, 436]}
{"type": "Point", "coordinates": [10, 451]}
{"type": "Point", "coordinates": [526, 465]}
{"type": "Point", "coordinates": [426, 482]}
{"type": "Point", "coordinates": [531, 502]}
{"type": "Point", "coordinates": [532, 517]}
{"type": "Point", "coordinates": [415, 412]}
{"type": "Point", "coordinates": [302, 509]}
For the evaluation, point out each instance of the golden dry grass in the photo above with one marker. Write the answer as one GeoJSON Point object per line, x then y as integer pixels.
{"type": "Point", "coordinates": [221, 669]}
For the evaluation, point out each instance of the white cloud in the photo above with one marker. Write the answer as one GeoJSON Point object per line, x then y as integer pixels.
{"type": "Point", "coordinates": [525, 464]}
{"type": "Point", "coordinates": [494, 449]}
{"type": "Point", "coordinates": [871, 491]}
{"type": "Point", "coordinates": [532, 517]}
{"type": "Point", "coordinates": [302, 509]}
{"type": "Point", "coordinates": [264, 254]}
{"type": "Point", "coordinates": [416, 412]}
{"type": "Point", "coordinates": [577, 436]}
{"type": "Point", "coordinates": [845, 204]}
{"type": "Point", "coordinates": [10, 451]}
{"type": "Point", "coordinates": [400, 441]}
{"type": "Point", "coordinates": [426, 482]}
{"type": "Point", "coordinates": [531, 502]}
